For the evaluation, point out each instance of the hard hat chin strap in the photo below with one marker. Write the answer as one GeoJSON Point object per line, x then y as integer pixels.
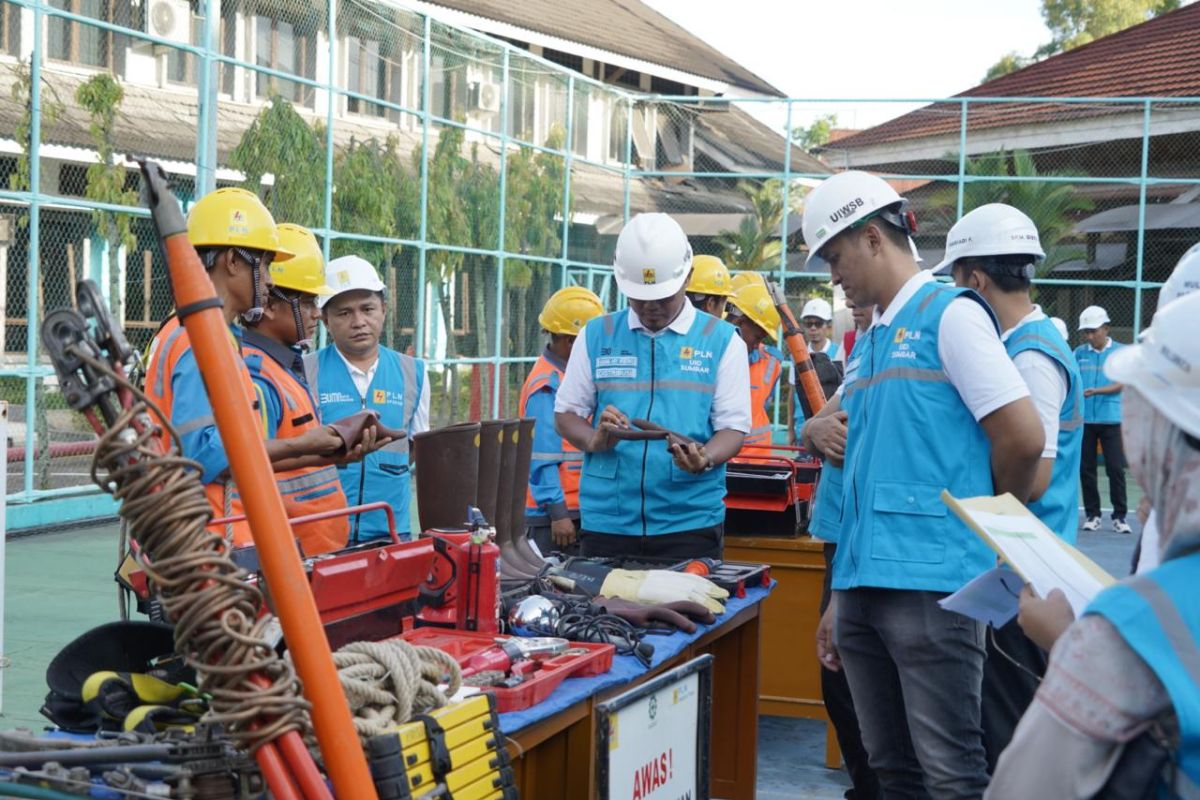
{"type": "Point", "coordinates": [297, 317]}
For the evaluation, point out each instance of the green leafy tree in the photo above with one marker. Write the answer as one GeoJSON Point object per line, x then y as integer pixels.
{"type": "Point", "coordinates": [755, 245]}
{"type": "Point", "coordinates": [101, 97]}
{"type": "Point", "coordinates": [1076, 22]}
{"type": "Point", "coordinates": [815, 134]}
{"type": "Point", "coordinates": [280, 143]}
{"type": "Point", "coordinates": [1053, 206]}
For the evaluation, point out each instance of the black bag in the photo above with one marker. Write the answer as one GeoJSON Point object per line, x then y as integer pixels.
{"type": "Point", "coordinates": [1146, 761]}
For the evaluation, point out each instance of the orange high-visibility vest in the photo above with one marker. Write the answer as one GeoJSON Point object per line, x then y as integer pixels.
{"type": "Point", "coordinates": [305, 490]}
{"type": "Point", "coordinates": [764, 373]}
{"type": "Point", "coordinates": [545, 375]}
{"type": "Point", "coordinates": [169, 345]}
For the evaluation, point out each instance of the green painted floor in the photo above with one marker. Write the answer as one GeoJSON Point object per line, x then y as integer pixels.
{"type": "Point", "coordinates": [57, 585]}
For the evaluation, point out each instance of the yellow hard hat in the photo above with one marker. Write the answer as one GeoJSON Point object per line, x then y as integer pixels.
{"type": "Point", "coordinates": [305, 271]}
{"type": "Point", "coordinates": [744, 278]}
{"type": "Point", "coordinates": [755, 302]}
{"type": "Point", "coordinates": [234, 218]}
{"type": "Point", "coordinates": [709, 276]}
{"type": "Point", "coordinates": [569, 309]}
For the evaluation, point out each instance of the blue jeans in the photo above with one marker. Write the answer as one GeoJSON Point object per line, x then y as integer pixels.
{"type": "Point", "coordinates": [915, 672]}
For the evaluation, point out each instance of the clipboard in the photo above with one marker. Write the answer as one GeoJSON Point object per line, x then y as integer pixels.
{"type": "Point", "coordinates": [1023, 541]}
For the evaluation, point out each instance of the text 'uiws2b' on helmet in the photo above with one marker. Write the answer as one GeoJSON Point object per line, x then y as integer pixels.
{"type": "Point", "coordinates": [846, 199]}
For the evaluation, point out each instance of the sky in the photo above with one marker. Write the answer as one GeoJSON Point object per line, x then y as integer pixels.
{"type": "Point", "coordinates": [863, 48]}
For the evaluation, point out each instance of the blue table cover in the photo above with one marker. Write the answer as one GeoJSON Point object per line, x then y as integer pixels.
{"type": "Point", "coordinates": [625, 669]}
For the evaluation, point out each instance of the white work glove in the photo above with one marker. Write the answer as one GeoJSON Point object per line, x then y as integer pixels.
{"type": "Point", "coordinates": [653, 586]}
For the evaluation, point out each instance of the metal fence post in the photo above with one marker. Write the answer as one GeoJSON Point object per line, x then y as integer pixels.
{"type": "Point", "coordinates": [206, 117]}
{"type": "Point", "coordinates": [962, 156]}
{"type": "Point", "coordinates": [423, 236]}
{"type": "Point", "coordinates": [568, 160]}
{"type": "Point", "coordinates": [500, 257]}
{"type": "Point", "coordinates": [1141, 234]}
{"type": "Point", "coordinates": [35, 220]}
{"type": "Point", "coordinates": [330, 106]}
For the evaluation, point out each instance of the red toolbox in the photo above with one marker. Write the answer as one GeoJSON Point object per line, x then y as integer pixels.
{"type": "Point", "coordinates": [582, 660]}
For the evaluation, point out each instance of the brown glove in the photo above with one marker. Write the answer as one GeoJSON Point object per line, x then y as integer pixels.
{"type": "Point", "coordinates": [678, 614]}
{"type": "Point", "coordinates": [350, 429]}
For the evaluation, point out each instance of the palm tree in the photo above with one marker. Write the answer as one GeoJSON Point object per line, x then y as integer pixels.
{"type": "Point", "coordinates": [1052, 205]}
{"type": "Point", "coordinates": [755, 245]}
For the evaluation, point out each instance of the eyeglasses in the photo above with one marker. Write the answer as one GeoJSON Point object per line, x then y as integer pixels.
{"type": "Point", "coordinates": [813, 322]}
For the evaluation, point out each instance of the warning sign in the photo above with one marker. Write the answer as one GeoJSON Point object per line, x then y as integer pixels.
{"type": "Point", "coordinates": [655, 738]}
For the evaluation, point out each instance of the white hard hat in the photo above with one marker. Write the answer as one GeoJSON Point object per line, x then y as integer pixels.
{"type": "Point", "coordinates": [1165, 366]}
{"type": "Point", "coordinates": [817, 308]}
{"type": "Point", "coordinates": [1061, 327]}
{"type": "Point", "coordinates": [839, 202]}
{"type": "Point", "coordinates": [1093, 317]}
{"type": "Point", "coordinates": [653, 257]}
{"type": "Point", "coordinates": [994, 229]}
{"type": "Point", "coordinates": [349, 273]}
{"type": "Point", "coordinates": [1184, 279]}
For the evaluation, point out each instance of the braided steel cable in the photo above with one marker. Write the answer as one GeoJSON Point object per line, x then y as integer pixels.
{"type": "Point", "coordinates": [255, 695]}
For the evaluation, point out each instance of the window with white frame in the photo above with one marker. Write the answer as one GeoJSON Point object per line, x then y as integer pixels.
{"type": "Point", "coordinates": [282, 45]}
{"type": "Point", "coordinates": [10, 29]}
{"type": "Point", "coordinates": [372, 70]}
{"type": "Point", "coordinates": [78, 42]}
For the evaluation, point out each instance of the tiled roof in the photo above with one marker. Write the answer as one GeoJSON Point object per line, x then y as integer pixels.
{"type": "Point", "coordinates": [627, 27]}
{"type": "Point", "coordinates": [1158, 58]}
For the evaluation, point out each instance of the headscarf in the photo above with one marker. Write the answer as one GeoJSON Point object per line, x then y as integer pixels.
{"type": "Point", "coordinates": [1167, 466]}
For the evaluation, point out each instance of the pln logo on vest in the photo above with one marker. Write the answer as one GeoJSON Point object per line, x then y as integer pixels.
{"type": "Point", "coordinates": [695, 360]}
{"type": "Point", "coordinates": [379, 397]}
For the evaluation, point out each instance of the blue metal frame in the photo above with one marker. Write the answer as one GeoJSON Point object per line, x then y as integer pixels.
{"type": "Point", "coordinates": [42, 506]}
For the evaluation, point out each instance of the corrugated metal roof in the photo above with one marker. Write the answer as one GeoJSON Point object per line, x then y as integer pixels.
{"type": "Point", "coordinates": [626, 27]}
{"type": "Point", "coordinates": [1158, 58]}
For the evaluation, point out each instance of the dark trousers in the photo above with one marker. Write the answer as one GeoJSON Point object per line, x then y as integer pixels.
{"type": "Point", "coordinates": [1008, 688]}
{"type": "Point", "coordinates": [699, 543]}
{"type": "Point", "coordinates": [1109, 437]}
{"type": "Point", "coordinates": [538, 529]}
{"type": "Point", "coordinates": [915, 671]}
{"type": "Point", "coordinates": [839, 704]}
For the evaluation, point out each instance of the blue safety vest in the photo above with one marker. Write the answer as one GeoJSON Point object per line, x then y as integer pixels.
{"type": "Point", "coordinates": [1158, 616]}
{"type": "Point", "coordinates": [1099, 409]}
{"type": "Point", "coordinates": [826, 519]}
{"type": "Point", "coordinates": [1058, 506]}
{"type": "Point", "coordinates": [669, 378]}
{"type": "Point", "coordinates": [394, 394]}
{"type": "Point", "coordinates": [911, 437]}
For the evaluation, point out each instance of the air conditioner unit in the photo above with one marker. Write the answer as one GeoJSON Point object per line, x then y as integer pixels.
{"type": "Point", "coordinates": [487, 96]}
{"type": "Point", "coordinates": [170, 19]}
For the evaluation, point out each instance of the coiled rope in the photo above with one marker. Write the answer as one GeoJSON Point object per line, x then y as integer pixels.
{"type": "Point", "coordinates": [254, 693]}
{"type": "Point", "coordinates": [388, 682]}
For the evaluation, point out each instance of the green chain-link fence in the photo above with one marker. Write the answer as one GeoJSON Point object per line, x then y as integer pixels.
{"type": "Point", "coordinates": [480, 177]}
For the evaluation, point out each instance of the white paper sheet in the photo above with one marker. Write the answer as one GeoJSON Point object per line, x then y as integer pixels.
{"type": "Point", "coordinates": [1039, 556]}
{"type": "Point", "coordinates": [993, 597]}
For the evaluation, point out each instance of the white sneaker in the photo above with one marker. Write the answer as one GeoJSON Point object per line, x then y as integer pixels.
{"type": "Point", "coordinates": [1092, 524]}
{"type": "Point", "coordinates": [1121, 526]}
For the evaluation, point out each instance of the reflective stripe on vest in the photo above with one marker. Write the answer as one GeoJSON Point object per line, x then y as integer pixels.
{"type": "Point", "coordinates": [1058, 506]}
{"type": "Point", "coordinates": [393, 394]}
{"type": "Point", "coordinates": [764, 374]}
{"type": "Point", "coordinates": [305, 490]}
{"type": "Point", "coordinates": [546, 376]}
{"type": "Point", "coordinates": [1158, 617]}
{"type": "Point", "coordinates": [169, 345]}
{"type": "Point", "coordinates": [669, 378]}
{"type": "Point", "coordinates": [912, 437]}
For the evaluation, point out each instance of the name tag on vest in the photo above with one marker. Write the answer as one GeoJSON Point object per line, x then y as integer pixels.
{"type": "Point", "coordinates": [616, 367]}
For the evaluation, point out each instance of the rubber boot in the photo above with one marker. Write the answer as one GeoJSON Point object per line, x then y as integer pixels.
{"type": "Point", "coordinates": [512, 566]}
{"type": "Point", "coordinates": [447, 461]}
{"type": "Point", "coordinates": [491, 432]}
{"type": "Point", "coordinates": [520, 537]}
